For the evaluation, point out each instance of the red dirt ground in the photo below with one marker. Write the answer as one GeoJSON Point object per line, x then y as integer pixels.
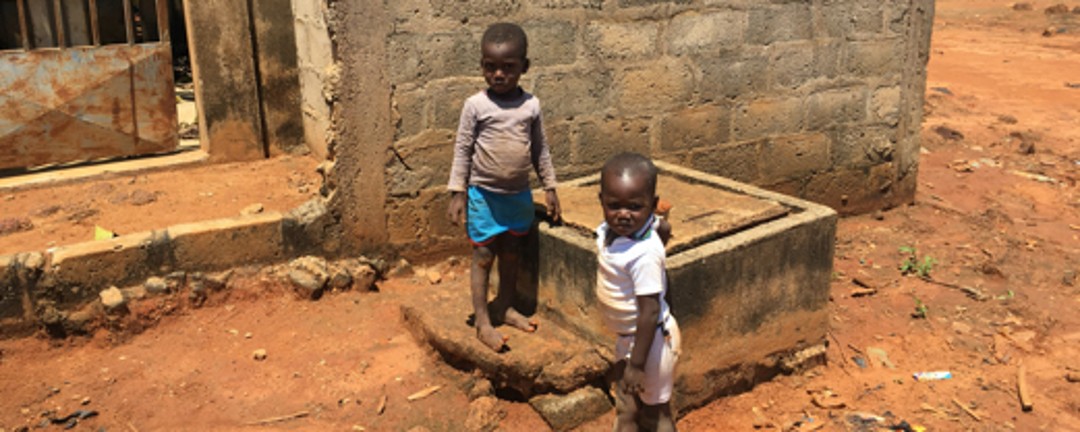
{"type": "Point", "coordinates": [1008, 237]}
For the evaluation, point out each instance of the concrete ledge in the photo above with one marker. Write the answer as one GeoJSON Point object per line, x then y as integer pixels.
{"type": "Point", "coordinates": [51, 178]}
{"type": "Point", "coordinates": [224, 243]}
{"type": "Point", "coordinates": [77, 272]}
{"type": "Point", "coordinates": [745, 300]}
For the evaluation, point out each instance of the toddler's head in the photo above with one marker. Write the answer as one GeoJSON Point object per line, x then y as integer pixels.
{"type": "Point", "coordinates": [628, 192]}
{"type": "Point", "coordinates": [504, 57]}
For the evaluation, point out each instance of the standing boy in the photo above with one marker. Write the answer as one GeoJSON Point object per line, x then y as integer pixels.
{"type": "Point", "coordinates": [631, 284]}
{"type": "Point", "coordinates": [500, 139]}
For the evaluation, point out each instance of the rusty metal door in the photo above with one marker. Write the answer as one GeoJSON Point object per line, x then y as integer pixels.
{"type": "Point", "coordinates": [86, 80]}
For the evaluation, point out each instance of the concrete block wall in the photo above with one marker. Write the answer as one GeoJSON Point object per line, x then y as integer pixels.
{"type": "Point", "coordinates": [820, 99]}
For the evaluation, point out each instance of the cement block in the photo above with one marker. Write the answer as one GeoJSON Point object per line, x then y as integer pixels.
{"type": "Point", "coordinates": [598, 140]}
{"type": "Point", "coordinates": [448, 97]}
{"type": "Point", "coordinates": [693, 32]}
{"type": "Point", "coordinates": [565, 412]}
{"type": "Point", "coordinates": [861, 146]}
{"type": "Point", "coordinates": [654, 86]}
{"type": "Point", "coordinates": [744, 300]}
{"type": "Point", "coordinates": [410, 112]}
{"type": "Point", "coordinates": [765, 117]}
{"type": "Point", "coordinates": [77, 272]}
{"type": "Point", "coordinates": [698, 127]}
{"type": "Point", "coordinates": [785, 22]}
{"type": "Point", "coordinates": [878, 58]}
{"type": "Point", "coordinates": [725, 77]}
{"type": "Point", "coordinates": [832, 107]}
{"type": "Point", "coordinates": [224, 243]}
{"type": "Point", "coordinates": [854, 19]}
{"type": "Point", "coordinates": [622, 41]}
{"type": "Point", "coordinates": [885, 105]}
{"type": "Point", "coordinates": [424, 162]}
{"type": "Point", "coordinates": [741, 161]}
{"type": "Point", "coordinates": [557, 135]}
{"type": "Point", "coordinates": [567, 94]}
{"type": "Point", "coordinates": [855, 190]}
{"type": "Point", "coordinates": [421, 57]}
{"type": "Point", "coordinates": [792, 65]}
{"type": "Point", "coordinates": [468, 9]}
{"type": "Point", "coordinates": [568, 4]}
{"type": "Point", "coordinates": [794, 156]}
{"type": "Point", "coordinates": [11, 292]}
{"type": "Point", "coordinates": [551, 42]}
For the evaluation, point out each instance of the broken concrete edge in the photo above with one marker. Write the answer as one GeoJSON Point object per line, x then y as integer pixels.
{"type": "Point", "coordinates": [566, 412]}
{"type": "Point", "coordinates": [67, 278]}
{"type": "Point", "coordinates": [743, 377]}
{"type": "Point", "coordinates": [138, 166]}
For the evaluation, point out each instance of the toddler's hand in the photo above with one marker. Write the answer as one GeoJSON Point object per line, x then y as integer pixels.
{"type": "Point", "coordinates": [554, 211]}
{"type": "Point", "coordinates": [633, 380]}
{"type": "Point", "coordinates": [456, 210]}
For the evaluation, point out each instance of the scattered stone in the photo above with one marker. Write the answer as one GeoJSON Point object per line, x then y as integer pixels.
{"type": "Point", "coordinates": [484, 415]}
{"type": "Point", "coordinates": [401, 268]}
{"type": "Point", "coordinates": [47, 211]}
{"type": "Point", "coordinates": [306, 284]}
{"type": "Point", "coordinates": [1007, 119]}
{"type": "Point", "coordinates": [1072, 377]}
{"type": "Point", "coordinates": [434, 277]}
{"type": "Point", "coordinates": [11, 225]}
{"type": "Point", "coordinates": [81, 212]}
{"type": "Point", "coordinates": [1022, 7]}
{"type": "Point", "coordinates": [340, 279]}
{"type": "Point", "coordinates": [1050, 31]}
{"type": "Point", "coordinates": [948, 133]}
{"type": "Point", "coordinates": [85, 401]}
{"type": "Point", "coordinates": [1027, 142]}
{"type": "Point", "coordinates": [1057, 9]}
{"type": "Point", "coordinates": [1069, 277]}
{"type": "Point", "coordinates": [187, 130]}
{"type": "Point", "coordinates": [961, 328]}
{"type": "Point", "coordinates": [1076, 10]}
{"type": "Point", "coordinates": [564, 412]}
{"type": "Point", "coordinates": [215, 281]}
{"type": "Point", "coordinates": [252, 209]}
{"type": "Point", "coordinates": [197, 292]}
{"type": "Point", "coordinates": [141, 197]}
{"type": "Point", "coordinates": [113, 299]}
{"type": "Point", "coordinates": [248, 335]}
{"type": "Point", "coordinates": [363, 273]}
{"type": "Point", "coordinates": [137, 292]}
{"type": "Point", "coordinates": [81, 321]}
{"type": "Point", "coordinates": [879, 215]}
{"type": "Point", "coordinates": [259, 354]}
{"type": "Point", "coordinates": [156, 285]}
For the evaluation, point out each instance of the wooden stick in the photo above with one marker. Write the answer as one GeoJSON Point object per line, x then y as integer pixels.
{"type": "Point", "coordinates": [94, 30]}
{"type": "Point", "coordinates": [24, 26]}
{"type": "Point", "coordinates": [129, 23]}
{"type": "Point", "coordinates": [967, 410]}
{"type": "Point", "coordinates": [382, 405]}
{"type": "Point", "coordinates": [1022, 388]}
{"type": "Point", "coordinates": [58, 12]}
{"type": "Point", "coordinates": [162, 9]}
{"type": "Point", "coordinates": [424, 393]}
{"type": "Point", "coordinates": [973, 293]}
{"type": "Point", "coordinates": [279, 419]}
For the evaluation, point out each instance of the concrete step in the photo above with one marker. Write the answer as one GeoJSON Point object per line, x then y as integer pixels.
{"type": "Point", "coordinates": [553, 360]}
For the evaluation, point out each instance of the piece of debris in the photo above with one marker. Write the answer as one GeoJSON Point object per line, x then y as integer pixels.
{"type": "Point", "coordinates": [85, 401]}
{"type": "Point", "coordinates": [140, 197]}
{"type": "Point", "coordinates": [434, 277]}
{"type": "Point", "coordinates": [1073, 85]}
{"type": "Point", "coordinates": [423, 393]}
{"type": "Point", "coordinates": [381, 407]}
{"type": "Point", "coordinates": [279, 419]}
{"type": "Point", "coordinates": [1022, 389]}
{"type": "Point", "coordinates": [259, 354]}
{"type": "Point", "coordinates": [11, 225]}
{"type": "Point", "coordinates": [863, 292]}
{"type": "Point", "coordinates": [878, 356]}
{"type": "Point", "coordinates": [828, 400]}
{"type": "Point", "coordinates": [962, 165]}
{"type": "Point", "coordinates": [967, 410]}
{"type": "Point", "coordinates": [485, 414]}
{"type": "Point", "coordinates": [1050, 31]}
{"type": "Point", "coordinates": [252, 209]}
{"type": "Point", "coordinates": [1057, 9]}
{"type": "Point", "coordinates": [1007, 119]}
{"type": "Point", "coordinates": [188, 130]}
{"type": "Point", "coordinates": [942, 90]}
{"type": "Point", "coordinates": [1037, 177]}
{"type": "Point", "coordinates": [1076, 10]}
{"type": "Point", "coordinates": [1022, 6]}
{"type": "Point", "coordinates": [859, 361]}
{"type": "Point", "coordinates": [932, 376]}
{"type": "Point", "coordinates": [948, 133]}
{"type": "Point", "coordinates": [1073, 377]}
{"type": "Point", "coordinates": [760, 421]}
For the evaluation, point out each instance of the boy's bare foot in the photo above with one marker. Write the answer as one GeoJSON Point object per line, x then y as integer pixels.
{"type": "Point", "coordinates": [519, 321]}
{"type": "Point", "coordinates": [488, 336]}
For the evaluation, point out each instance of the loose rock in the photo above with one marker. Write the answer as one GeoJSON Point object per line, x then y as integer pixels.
{"type": "Point", "coordinates": [1022, 7]}
{"type": "Point", "coordinates": [569, 411]}
{"type": "Point", "coordinates": [484, 414]}
{"type": "Point", "coordinates": [1059, 8]}
{"type": "Point", "coordinates": [140, 197]}
{"type": "Point", "coordinates": [259, 354]}
{"type": "Point", "coordinates": [11, 225]}
{"type": "Point", "coordinates": [309, 276]}
{"type": "Point", "coordinates": [156, 285]}
{"type": "Point", "coordinates": [113, 299]}
{"type": "Point", "coordinates": [252, 209]}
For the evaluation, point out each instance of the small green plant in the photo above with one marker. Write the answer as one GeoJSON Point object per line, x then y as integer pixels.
{"type": "Point", "coordinates": [913, 265]}
{"type": "Point", "coordinates": [920, 309]}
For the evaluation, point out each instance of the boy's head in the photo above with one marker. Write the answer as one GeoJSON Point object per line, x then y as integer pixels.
{"type": "Point", "coordinates": [628, 192]}
{"type": "Point", "coordinates": [504, 56]}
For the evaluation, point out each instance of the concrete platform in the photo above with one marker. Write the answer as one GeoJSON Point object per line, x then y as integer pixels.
{"type": "Point", "coordinates": [748, 275]}
{"type": "Point", "coordinates": [551, 360]}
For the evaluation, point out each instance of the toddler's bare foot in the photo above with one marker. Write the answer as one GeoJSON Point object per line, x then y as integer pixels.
{"type": "Point", "coordinates": [519, 321]}
{"type": "Point", "coordinates": [491, 338]}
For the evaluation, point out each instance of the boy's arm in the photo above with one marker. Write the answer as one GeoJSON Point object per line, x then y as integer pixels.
{"type": "Point", "coordinates": [648, 316]}
{"type": "Point", "coordinates": [462, 164]}
{"type": "Point", "coordinates": [545, 170]}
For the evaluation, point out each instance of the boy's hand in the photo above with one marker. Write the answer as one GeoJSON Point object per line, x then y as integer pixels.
{"type": "Point", "coordinates": [554, 211]}
{"type": "Point", "coordinates": [456, 210]}
{"type": "Point", "coordinates": [633, 379]}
